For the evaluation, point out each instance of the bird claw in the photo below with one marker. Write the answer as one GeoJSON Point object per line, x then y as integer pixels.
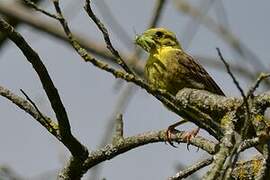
{"type": "Point", "coordinates": [187, 136]}
{"type": "Point", "coordinates": [171, 130]}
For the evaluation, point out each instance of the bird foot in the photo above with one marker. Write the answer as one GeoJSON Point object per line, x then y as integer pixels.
{"type": "Point", "coordinates": [169, 132]}
{"type": "Point", "coordinates": [187, 136]}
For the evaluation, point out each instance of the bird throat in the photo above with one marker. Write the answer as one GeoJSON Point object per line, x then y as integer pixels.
{"type": "Point", "coordinates": [159, 53]}
{"type": "Point", "coordinates": [156, 67]}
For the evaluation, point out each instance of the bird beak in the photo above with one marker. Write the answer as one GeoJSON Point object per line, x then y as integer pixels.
{"type": "Point", "coordinates": [145, 42]}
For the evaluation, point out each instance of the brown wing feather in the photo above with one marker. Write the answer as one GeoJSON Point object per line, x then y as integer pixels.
{"type": "Point", "coordinates": [198, 73]}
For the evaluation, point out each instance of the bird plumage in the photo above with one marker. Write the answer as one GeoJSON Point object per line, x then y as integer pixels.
{"type": "Point", "coordinates": [168, 67]}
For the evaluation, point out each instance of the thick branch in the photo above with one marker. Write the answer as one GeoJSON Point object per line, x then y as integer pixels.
{"type": "Point", "coordinates": [75, 147]}
{"type": "Point", "coordinates": [207, 102]}
{"type": "Point", "coordinates": [112, 150]}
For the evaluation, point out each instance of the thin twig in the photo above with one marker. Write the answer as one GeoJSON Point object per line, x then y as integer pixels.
{"type": "Point", "coordinates": [106, 37]}
{"type": "Point", "coordinates": [261, 77]}
{"type": "Point", "coordinates": [45, 121]}
{"type": "Point", "coordinates": [35, 106]}
{"type": "Point", "coordinates": [34, 6]}
{"type": "Point", "coordinates": [193, 168]}
{"type": "Point", "coordinates": [245, 100]}
{"type": "Point", "coordinates": [114, 24]}
{"type": "Point", "coordinates": [230, 73]}
{"type": "Point", "coordinates": [244, 129]}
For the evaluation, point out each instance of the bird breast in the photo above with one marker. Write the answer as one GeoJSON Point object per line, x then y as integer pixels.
{"type": "Point", "coordinates": [163, 72]}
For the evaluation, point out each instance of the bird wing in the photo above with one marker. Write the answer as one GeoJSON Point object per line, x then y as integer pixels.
{"type": "Point", "coordinates": [196, 72]}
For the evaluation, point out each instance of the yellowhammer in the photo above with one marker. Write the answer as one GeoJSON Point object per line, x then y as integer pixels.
{"type": "Point", "coordinates": [169, 68]}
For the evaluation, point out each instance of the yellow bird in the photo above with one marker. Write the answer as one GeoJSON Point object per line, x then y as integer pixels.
{"type": "Point", "coordinates": [169, 68]}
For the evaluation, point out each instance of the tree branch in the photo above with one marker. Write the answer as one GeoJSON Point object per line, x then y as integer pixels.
{"type": "Point", "coordinates": [105, 33]}
{"type": "Point", "coordinates": [193, 168]}
{"type": "Point", "coordinates": [44, 120]}
{"type": "Point", "coordinates": [112, 150]}
{"type": "Point", "coordinates": [75, 147]}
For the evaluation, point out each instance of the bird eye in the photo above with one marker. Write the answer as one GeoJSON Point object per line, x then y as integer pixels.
{"type": "Point", "coordinates": [159, 34]}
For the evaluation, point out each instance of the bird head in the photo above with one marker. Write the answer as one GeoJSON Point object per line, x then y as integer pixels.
{"type": "Point", "coordinates": [155, 38]}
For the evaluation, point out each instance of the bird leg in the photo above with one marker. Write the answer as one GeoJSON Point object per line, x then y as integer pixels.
{"type": "Point", "coordinates": [171, 130]}
{"type": "Point", "coordinates": [187, 136]}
